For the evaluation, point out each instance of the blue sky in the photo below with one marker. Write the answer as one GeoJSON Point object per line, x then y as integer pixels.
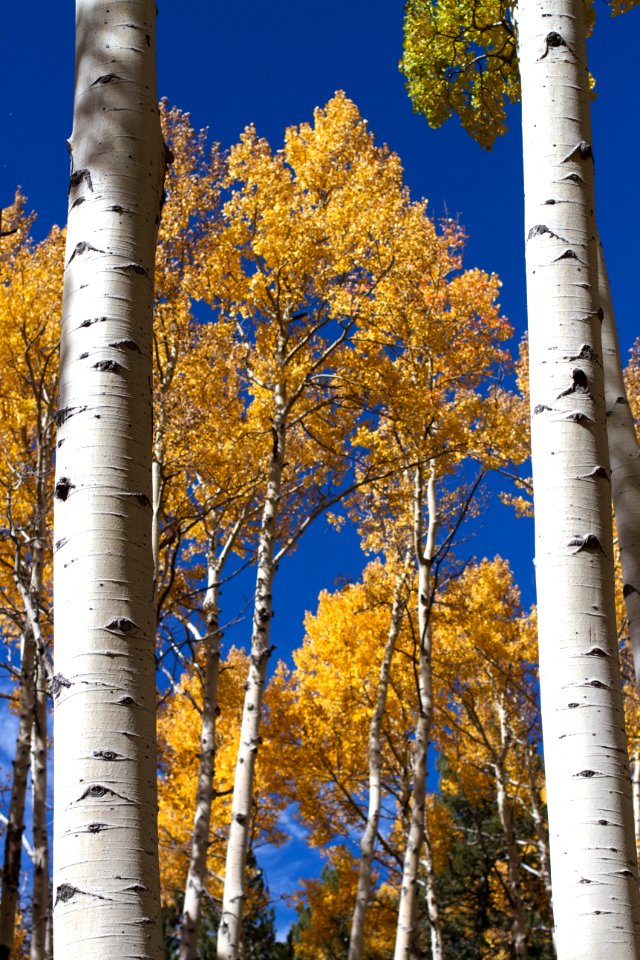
{"type": "Point", "coordinates": [271, 64]}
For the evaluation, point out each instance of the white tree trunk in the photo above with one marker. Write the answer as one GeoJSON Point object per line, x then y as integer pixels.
{"type": "Point", "coordinates": [106, 882]}
{"type": "Point", "coordinates": [40, 901]}
{"type": "Point", "coordinates": [407, 909]}
{"type": "Point", "coordinates": [367, 844]}
{"type": "Point", "coordinates": [625, 463]}
{"type": "Point", "coordinates": [230, 930]}
{"type": "Point", "coordinates": [196, 876]}
{"type": "Point", "coordinates": [594, 873]}
{"type": "Point", "coordinates": [15, 819]}
{"type": "Point", "coordinates": [433, 911]}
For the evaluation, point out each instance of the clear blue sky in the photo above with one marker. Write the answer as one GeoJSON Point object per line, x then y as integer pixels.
{"type": "Point", "coordinates": [271, 64]}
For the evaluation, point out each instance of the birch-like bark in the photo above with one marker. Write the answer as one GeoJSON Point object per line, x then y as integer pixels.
{"type": "Point", "coordinates": [594, 871]}
{"type": "Point", "coordinates": [40, 902]}
{"type": "Point", "coordinates": [625, 463]}
{"type": "Point", "coordinates": [407, 909]}
{"type": "Point", "coordinates": [433, 911]}
{"type": "Point", "coordinates": [197, 872]}
{"type": "Point", "coordinates": [367, 844]}
{"type": "Point", "coordinates": [518, 925]}
{"type": "Point", "coordinates": [635, 788]}
{"type": "Point", "coordinates": [230, 930]}
{"type": "Point", "coordinates": [15, 815]}
{"type": "Point", "coordinates": [106, 878]}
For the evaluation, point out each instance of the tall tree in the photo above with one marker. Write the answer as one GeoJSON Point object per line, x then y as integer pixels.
{"type": "Point", "coordinates": [106, 884]}
{"type": "Point", "coordinates": [581, 697]}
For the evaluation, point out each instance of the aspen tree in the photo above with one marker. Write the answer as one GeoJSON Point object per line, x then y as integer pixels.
{"type": "Point", "coordinates": [30, 281]}
{"type": "Point", "coordinates": [583, 720]}
{"type": "Point", "coordinates": [106, 885]}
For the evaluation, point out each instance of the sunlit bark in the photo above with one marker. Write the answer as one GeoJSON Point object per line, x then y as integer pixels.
{"type": "Point", "coordinates": [106, 882]}
{"type": "Point", "coordinates": [593, 861]}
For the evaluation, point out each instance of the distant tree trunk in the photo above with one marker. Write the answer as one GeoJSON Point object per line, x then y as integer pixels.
{"type": "Point", "coordinates": [367, 844]}
{"type": "Point", "coordinates": [518, 926]}
{"type": "Point", "coordinates": [433, 911]}
{"type": "Point", "coordinates": [196, 876]}
{"type": "Point", "coordinates": [106, 877]}
{"type": "Point", "coordinates": [593, 860]}
{"type": "Point", "coordinates": [230, 930]}
{"type": "Point", "coordinates": [407, 911]}
{"type": "Point", "coordinates": [15, 818]}
{"type": "Point", "coordinates": [625, 463]}
{"type": "Point", "coordinates": [40, 904]}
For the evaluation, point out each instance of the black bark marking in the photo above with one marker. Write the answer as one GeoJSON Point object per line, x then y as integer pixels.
{"type": "Point", "coordinates": [576, 416]}
{"type": "Point", "coordinates": [107, 755]}
{"type": "Point", "coordinates": [96, 791]}
{"type": "Point", "coordinates": [64, 488]}
{"type": "Point", "coordinates": [65, 892]}
{"type": "Point", "coordinates": [57, 683]}
{"type": "Point", "coordinates": [603, 823]}
{"type": "Point", "coordinates": [552, 40]}
{"type": "Point", "coordinates": [540, 408]}
{"type": "Point", "coordinates": [126, 345]}
{"type": "Point", "coordinates": [598, 684]}
{"type": "Point", "coordinates": [108, 366]}
{"type": "Point", "coordinates": [541, 228]}
{"type": "Point", "coordinates": [568, 255]}
{"type": "Point", "coordinates": [573, 705]}
{"type": "Point", "coordinates": [142, 498]}
{"type": "Point", "coordinates": [66, 413]}
{"type": "Point", "coordinates": [116, 208]}
{"type": "Point", "coordinates": [77, 202]}
{"type": "Point", "coordinates": [586, 353]}
{"type": "Point", "coordinates": [628, 589]}
{"type": "Point", "coordinates": [588, 542]}
{"type": "Point", "coordinates": [95, 826]}
{"type": "Point", "coordinates": [582, 149]}
{"type": "Point", "coordinates": [600, 314]}
{"type": "Point", "coordinates": [81, 248]}
{"type": "Point", "coordinates": [105, 78]}
{"type": "Point", "coordinates": [135, 267]}
{"type": "Point", "coordinates": [83, 356]}
{"type": "Point", "coordinates": [579, 385]}
{"type": "Point", "coordinates": [121, 625]}
{"type": "Point", "coordinates": [60, 543]}
{"type": "Point", "coordinates": [77, 177]}
{"type": "Point", "coordinates": [596, 652]}
{"type": "Point", "coordinates": [584, 880]}
{"type": "Point", "coordinates": [137, 887]}
{"type": "Point", "coordinates": [87, 323]}
{"type": "Point", "coordinates": [600, 472]}
{"type": "Point", "coordinates": [586, 774]}
{"type": "Point", "coordinates": [574, 177]}
{"type": "Point", "coordinates": [126, 701]}
{"type": "Point", "coordinates": [240, 818]}
{"type": "Point", "coordinates": [622, 400]}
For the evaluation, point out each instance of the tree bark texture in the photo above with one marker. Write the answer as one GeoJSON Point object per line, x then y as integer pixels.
{"type": "Point", "coordinates": [230, 930]}
{"type": "Point", "coordinates": [367, 844]}
{"type": "Point", "coordinates": [15, 818]}
{"type": "Point", "coordinates": [407, 909]}
{"type": "Point", "coordinates": [593, 861]}
{"type": "Point", "coordinates": [196, 875]}
{"type": "Point", "coordinates": [625, 462]}
{"type": "Point", "coordinates": [41, 899]}
{"type": "Point", "coordinates": [106, 878]}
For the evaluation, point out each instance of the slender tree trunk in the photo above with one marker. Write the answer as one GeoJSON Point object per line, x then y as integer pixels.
{"type": "Point", "coordinates": [635, 783]}
{"type": "Point", "coordinates": [518, 926]}
{"type": "Point", "coordinates": [407, 910]}
{"type": "Point", "coordinates": [40, 904]}
{"type": "Point", "coordinates": [15, 818]}
{"type": "Point", "coordinates": [230, 930]}
{"type": "Point", "coordinates": [625, 463]}
{"type": "Point", "coordinates": [367, 844]}
{"type": "Point", "coordinates": [595, 877]}
{"type": "Point", "coordinates": [433, 912]}
{"type": "Point", "coordinates": [196, 875]}
{"type": "Point", "coordinates": [106, 878]}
